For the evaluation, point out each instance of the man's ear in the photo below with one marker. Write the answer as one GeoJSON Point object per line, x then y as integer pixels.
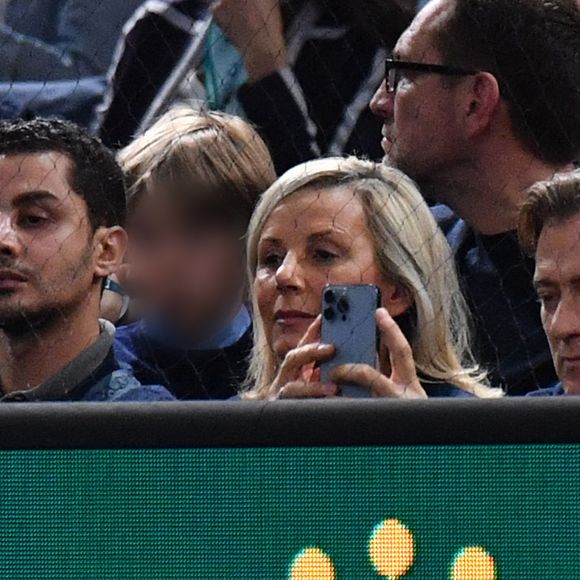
{"type": "Point", "coordinates": [110, 248]}
{"type": "Point", "coordinates": [482, 102]}
{"type": "Point", "coordinates": [396, 299]}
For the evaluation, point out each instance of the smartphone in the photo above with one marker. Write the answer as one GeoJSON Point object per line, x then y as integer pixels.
{"type": "Point", "coordinates": [349, 323]}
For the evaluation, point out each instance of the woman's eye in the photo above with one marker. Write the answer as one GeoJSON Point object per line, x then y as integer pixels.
{"type": "Point", "coordinates": [324, 256]}
{"type": "Point", "coordinates": [272, 261]}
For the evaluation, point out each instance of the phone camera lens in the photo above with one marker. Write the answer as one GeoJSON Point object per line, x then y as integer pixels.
{"type": "Point", "coordinates": [329, 296]}
{"type": "Point", "coordinates": [329, 314]}
{"type": "Point", "coordinates": [343, 306]}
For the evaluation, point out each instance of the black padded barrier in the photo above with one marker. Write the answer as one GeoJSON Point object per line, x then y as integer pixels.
{"type": "Point", "coordinates": [288, 423]}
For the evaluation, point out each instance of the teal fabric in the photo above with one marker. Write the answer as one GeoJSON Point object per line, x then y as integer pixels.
{"type": "Point", "coordinates": [224, 72]}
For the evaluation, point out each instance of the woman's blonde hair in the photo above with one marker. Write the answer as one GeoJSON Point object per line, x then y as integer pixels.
{"type": "Point", "coordinates": [411, 251]}
{"type": "Point", "coordinates": [214, 161]}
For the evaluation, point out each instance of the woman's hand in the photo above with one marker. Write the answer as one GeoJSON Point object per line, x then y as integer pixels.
{"type": "Point", "coordinates": [255, 28]}
{"type": "Point", "coordinates": [295, 377]}
{"type": "Point", "coordinates": [397, 378]}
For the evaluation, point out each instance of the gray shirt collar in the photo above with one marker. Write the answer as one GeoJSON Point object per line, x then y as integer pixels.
{"type": "Point", "coordinates": [59, 386]}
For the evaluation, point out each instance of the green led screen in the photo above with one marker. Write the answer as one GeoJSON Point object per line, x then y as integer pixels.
{"type": "Point", "coordinates": [458, 512]}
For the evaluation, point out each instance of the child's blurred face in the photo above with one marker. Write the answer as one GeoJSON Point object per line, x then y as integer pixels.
{"type": "Point", "coordinates": [189, 271]}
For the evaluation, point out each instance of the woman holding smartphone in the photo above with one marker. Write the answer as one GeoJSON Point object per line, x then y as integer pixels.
{"type": "Point", "coordinates": [349, 221]}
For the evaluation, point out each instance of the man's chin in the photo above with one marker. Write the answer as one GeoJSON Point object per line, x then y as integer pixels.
{"type": "Point", "coordinates": [392, 159]}
{"type": "Point", "coordinates": [571, 385]}
{"type": "Point", "coordinates": [388, 157]}
{"type": "Point", "coordinates": [20, 321]}
{"type": "Point", "coordinates": [429, 190]}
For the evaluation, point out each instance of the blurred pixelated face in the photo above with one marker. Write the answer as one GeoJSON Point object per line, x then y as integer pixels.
{"type": "Point", "coordinates": [421, 134]}
{"type": "Point", "coordinates": [47, 265]}
{"type": "Point", "coordinates": [312, 238]}
{"type": "Point", "coordinates": [186, 271]}
{"type": "Point", "coordinates": [557, 281]}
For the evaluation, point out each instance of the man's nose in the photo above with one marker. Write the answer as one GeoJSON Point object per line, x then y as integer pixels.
{"type": "Point", "coordinates": [382, 102]}
{"type": "Point", "coordinates": [565, 321]}
{"type": "Point", "coordinates": [9, 239]}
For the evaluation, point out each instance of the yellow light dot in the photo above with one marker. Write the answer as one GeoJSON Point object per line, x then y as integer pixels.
{"type": "Point", "coordinates": [473, 563]}
{"type": "Point", "coordinates": [312, 564]}
{"type": "Point", "coordinates": [392, 549]}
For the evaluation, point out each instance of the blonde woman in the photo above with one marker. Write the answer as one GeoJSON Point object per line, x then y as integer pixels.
{"type": "Point", "coordinates": [348, 221]}
{"type": "Point", "coordinates": [194, 178]}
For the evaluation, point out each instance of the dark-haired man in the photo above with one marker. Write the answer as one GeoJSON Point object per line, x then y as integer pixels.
{"type": "Point", "coordinates": [481, 101]}
{"type": "Point", "coordinates": [62, 203]}
{"type": "Point", "coordinates": [549, 229]}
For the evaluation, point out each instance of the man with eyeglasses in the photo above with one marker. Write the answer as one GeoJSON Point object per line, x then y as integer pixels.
{"type": "Point", "coordinates": [481, 100]}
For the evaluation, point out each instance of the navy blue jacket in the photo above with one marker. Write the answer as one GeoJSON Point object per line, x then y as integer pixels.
{"type": "Point", "coordinates": [188, 374]}
{"type": "Point", "coordinates": [497, 281]}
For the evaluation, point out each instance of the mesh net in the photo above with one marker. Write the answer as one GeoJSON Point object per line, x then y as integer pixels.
{"type": "Point", "coordinates": [205, 104]}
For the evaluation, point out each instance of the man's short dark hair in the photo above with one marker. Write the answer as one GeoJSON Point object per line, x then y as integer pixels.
{"type": "Point", "coordinates": [548, 202]}
{"type": "Point", "coordinates": [533, 49]}
{"type": "Point", "coordinates": [95, 174]}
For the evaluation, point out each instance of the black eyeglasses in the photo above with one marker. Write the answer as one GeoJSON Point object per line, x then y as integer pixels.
{"type": "Point", "coordinates": [393, 68]}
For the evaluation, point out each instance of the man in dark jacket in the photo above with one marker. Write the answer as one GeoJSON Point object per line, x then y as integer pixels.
{"type": "Point", "coordinates": [309, 70]}
{"type": "Point", "coordinates": [472, 110]}
{"type": "Point", "coordinates": [62, 203]}
{"type": "Point", "coordinates": [311, 67]}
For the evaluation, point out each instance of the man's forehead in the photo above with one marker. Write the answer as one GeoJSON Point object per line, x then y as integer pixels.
{"type": "Point", "coordinates": [34, 169]}
{"type": "Point", "coordinates": [418, 40]}
{"type": "Point", "coordinates": [558, 252]}
{"type": "Point", "coordinates": [34, 159]}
